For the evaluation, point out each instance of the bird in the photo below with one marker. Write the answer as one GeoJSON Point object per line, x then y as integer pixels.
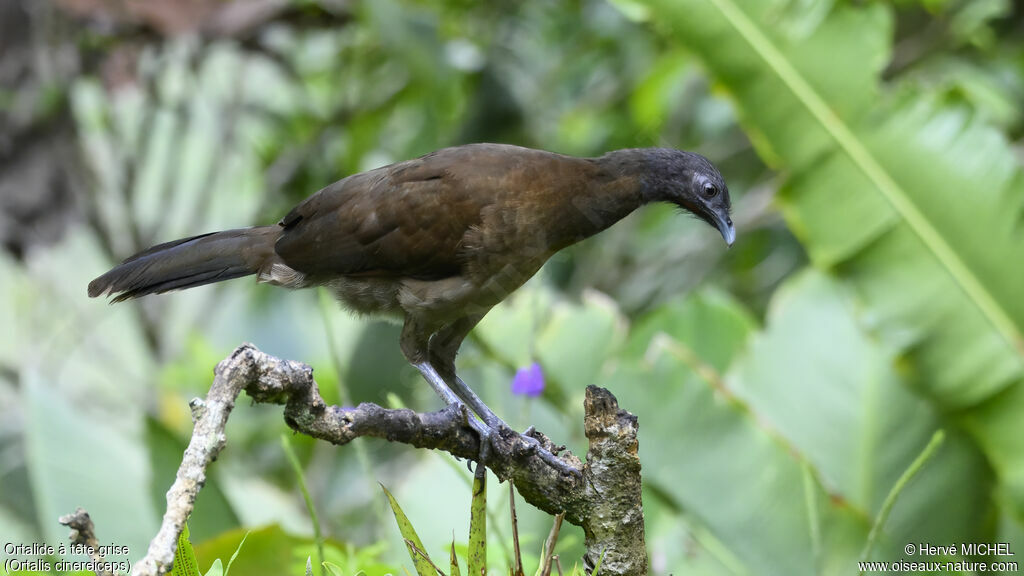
{"type": "Point", "coordinates": [437, 241]}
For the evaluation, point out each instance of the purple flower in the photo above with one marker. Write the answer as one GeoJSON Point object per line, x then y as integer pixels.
{"type": "Point", "coordinates": [529, 381]}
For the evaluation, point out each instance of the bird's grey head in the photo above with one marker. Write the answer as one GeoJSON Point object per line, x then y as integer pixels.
{"type": "Point", "coordinates": [692, 182]}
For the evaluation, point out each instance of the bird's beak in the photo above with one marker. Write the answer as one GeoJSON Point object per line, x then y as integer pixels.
{"type": "Point", "coordinates": [724, 224]}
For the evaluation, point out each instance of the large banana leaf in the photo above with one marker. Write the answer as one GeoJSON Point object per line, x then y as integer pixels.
{"type": "Point", "coordinates": [840, 401]}
{"type": "Point", "coordinates": [909, 198]}
{"type": "Point", "coordinates": [783, 463]}
{"type": "Point", "coordinates": [753, 506]}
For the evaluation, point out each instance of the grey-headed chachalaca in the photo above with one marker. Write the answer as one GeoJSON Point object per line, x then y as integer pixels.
{"type": "Point", "coordinates": [436, 241]}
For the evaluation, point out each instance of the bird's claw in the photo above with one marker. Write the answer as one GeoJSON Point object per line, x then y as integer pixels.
{"type": "Point", "coordinates": [483, 432]}
{"type": "Point", "coordinates": [533, 446]}
{"type": "Point", "coordinates": [529, 445]}
{"type": "Point", "coordinates": [486, 437]}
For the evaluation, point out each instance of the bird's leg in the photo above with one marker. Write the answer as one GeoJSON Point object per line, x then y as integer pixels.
{"type": "Point", "coordinates": [482, 429]}
{"type": "Point", "coordinates": [415, 347]}
{"type": "Point", "coordinates": [533, 444]}
{"type": "Point", "coordinates": [443, 347]}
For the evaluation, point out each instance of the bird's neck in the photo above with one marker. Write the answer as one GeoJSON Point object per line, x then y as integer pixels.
{"type": "Point", "coordinates": [620, 186]}
{"type": "Point", "coordinates": [611, 188]}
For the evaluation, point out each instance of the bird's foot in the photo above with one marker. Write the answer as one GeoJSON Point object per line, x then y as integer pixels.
{"type": "Point", "coordinates": [531, 432]}
{"type": "Point", "coordinates": [485, 434]}
{"type": "Point", "coordinates": [527, 444]}
{"type": "Point", "coordinates": [534, 446]}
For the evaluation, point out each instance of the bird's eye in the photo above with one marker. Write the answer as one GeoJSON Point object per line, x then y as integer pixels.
{"type": "Point", "coordinates": [710, 191]}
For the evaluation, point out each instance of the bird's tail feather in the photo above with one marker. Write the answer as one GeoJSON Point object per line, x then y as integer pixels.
{"type": "Point", "coordinates": [189, 262]}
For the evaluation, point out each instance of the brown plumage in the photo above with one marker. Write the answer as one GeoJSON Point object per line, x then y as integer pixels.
{"type": "Point", "coordinates": [436, 241]}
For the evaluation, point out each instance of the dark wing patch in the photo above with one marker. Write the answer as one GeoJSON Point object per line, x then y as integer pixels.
{"type": "Point", "coordinates": [407, 220]}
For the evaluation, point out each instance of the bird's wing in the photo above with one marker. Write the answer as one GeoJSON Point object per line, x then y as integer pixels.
{"type": "Point", "coordinates": [404, 220]}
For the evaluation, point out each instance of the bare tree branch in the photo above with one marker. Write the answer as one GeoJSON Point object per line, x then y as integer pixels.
{"type": "Point", "coordinates": [614, 530]}
{"type": "Point", "coordinates": [83, 534]}
{"type": "Point", "coordinates": [604, 499]}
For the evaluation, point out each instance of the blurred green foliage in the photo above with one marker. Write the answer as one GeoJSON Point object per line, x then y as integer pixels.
{"type": "Point", "coordinates": [783, 387]}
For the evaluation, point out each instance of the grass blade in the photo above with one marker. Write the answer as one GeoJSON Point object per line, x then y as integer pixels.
{"type": "Point", "coordinates": [455, 571]}
{"type": "Point", "coordinates": [216, 569]}
{"type": "Point", "coordinates": [235, 555]}
{"type": "Point", "coordinates": [478, 524]}
{"type": "Point", "coordinates": [419, 552]}
{"type": "Point", "coordinates": [420, 559]}
{"type": "Point", "coordinates": [517, 567]}
{"type": "Point", "coordinates": [813, 516]}
{"type": "Point", "coordinates": [597, 567]}
{"type": "Point", "coordinates": [547, 555]}
{"type": "Point", "coordinates": [293, 459]}
{"type": "Point", "coordinates": [883, 514]}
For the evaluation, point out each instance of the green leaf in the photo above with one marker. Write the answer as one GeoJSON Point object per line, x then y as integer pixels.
{"type": "Point", "coordinates": [734, 478]}
{"type": "Point", "coordinates": [454, 561]}
{"type": "Point", "coordinates": [714, 324]}
{"type": "Point", "coordinates": [216, 569]}
{"type": "Point", "coordinates": [416, 550]}
{"type": "Point", "coordinates": [477, 563]}
{"type": "Point", "coordinates": [67, 469]}
{"type": "Point", "coordinates": [877, 193]}
{"type": "Point", "coordinates": [636, 11]}
{"type": "Point", "coordinates": [658, 93]}
{"type": "Point", "coordinates": [890, 500]}
{"type": "Point", "coordinates": [595, 327]}
{"type": "Point", "coordinates": [185, 557]}
{"type": "Point", "coordinates": [841, 402]}
{"type": "Point", "coordinates": [237, 550]}
{"type": "Point", "coordinates": [293, 460]}
{"type": "Point", "coordinates": [509, 330]}
{"type": "Point", "coordinates": [814, 431]}
{"type": "Point", "coordinates": [268, 551]}
{"type": "Point", "coordinates": [597, 566]}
